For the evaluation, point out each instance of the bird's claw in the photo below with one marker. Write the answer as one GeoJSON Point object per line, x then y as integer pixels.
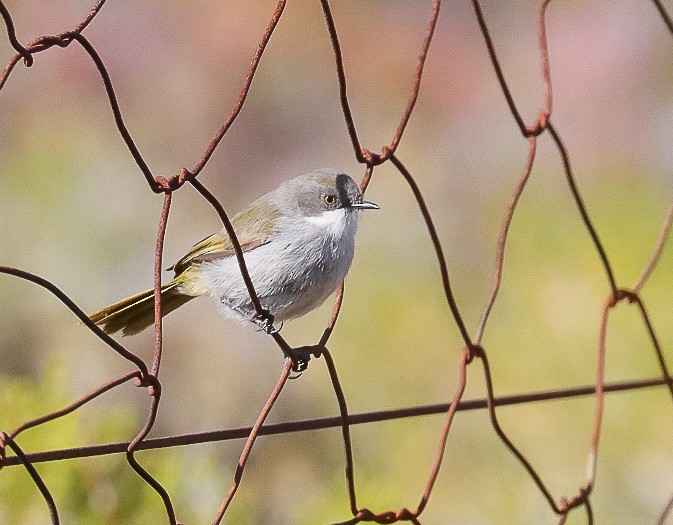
{"type": "Point", "coordinates": [265, 323]}
{"type": "Point", "coordinates": [301, 356]}
{"type": "Point", "coordinates": [275, 330]}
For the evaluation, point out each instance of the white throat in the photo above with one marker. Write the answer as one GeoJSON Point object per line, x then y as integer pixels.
{"type": "Point", "coordinates": [332, 222]}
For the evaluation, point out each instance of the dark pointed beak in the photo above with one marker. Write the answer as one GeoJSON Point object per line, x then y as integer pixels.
{"type": "Point", "coordinates": [365, 205]}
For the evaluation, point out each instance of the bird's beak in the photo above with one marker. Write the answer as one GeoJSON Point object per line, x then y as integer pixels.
{"type": "Point", "coordinates": [365, 205]}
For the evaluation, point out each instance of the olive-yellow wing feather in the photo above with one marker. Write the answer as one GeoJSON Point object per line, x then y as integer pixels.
{"type": "Point", "coordinates": [253, 227]}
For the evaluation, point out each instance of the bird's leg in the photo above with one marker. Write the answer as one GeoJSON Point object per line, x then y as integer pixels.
{"type": "Point", "coordinates": [265, 322]}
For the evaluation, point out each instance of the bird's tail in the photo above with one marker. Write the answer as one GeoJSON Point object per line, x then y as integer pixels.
{"type": "Point", "coordinates": [134, 314]}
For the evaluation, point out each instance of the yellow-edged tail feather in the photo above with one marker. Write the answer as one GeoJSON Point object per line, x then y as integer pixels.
{"type": "Point", "coordinates": [134, 314]}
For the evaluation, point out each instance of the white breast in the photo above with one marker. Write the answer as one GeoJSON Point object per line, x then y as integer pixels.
{"type": "Point", "coordinates": [293, 273]}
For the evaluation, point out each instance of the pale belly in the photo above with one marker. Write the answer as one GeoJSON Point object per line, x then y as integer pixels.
{"type": "Point", "coordinates": [290, 281]}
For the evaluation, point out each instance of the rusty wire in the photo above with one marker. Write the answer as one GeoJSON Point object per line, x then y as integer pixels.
{"type": "Point", "coordinates": [298, 358]}
{"type": "Point", "coordinates": [333, 422]}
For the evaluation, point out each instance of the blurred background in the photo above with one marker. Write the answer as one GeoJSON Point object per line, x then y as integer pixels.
{"type": "Point", "coordinates": [76, 210]}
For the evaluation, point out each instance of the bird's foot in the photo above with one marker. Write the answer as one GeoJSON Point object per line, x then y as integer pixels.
{"type": "Point", "coordinates": [276, 330]}
{"type": "Point", "coordinates": [301, 356]}
{"type": "Point", "coordinates": [265, 323]}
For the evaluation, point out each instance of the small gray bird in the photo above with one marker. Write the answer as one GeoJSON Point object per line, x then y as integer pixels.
{"type": "Point", "coordinates": [298, 243]}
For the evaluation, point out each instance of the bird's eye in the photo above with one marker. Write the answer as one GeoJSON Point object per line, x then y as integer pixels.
{"type": "Point", "coordinates": [329, 199]}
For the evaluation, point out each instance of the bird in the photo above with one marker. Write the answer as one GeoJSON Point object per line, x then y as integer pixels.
{"type": "Point", "coordinates": [298, 242]}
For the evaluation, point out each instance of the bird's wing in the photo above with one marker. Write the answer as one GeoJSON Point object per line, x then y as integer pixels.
{"type": "Point", "coordinates": [252, 230]}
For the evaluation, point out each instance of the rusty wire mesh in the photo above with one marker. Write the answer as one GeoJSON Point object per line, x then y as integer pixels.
{"type": "Point", "coordinates": [473, 357]}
